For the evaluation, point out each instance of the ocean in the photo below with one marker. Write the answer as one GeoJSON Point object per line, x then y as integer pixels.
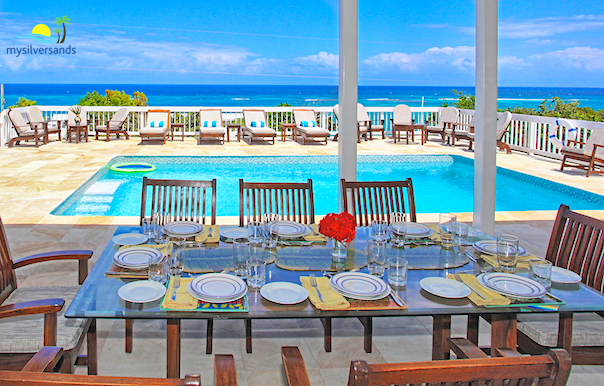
{"type": "Point", "coordinates": [268, 96]}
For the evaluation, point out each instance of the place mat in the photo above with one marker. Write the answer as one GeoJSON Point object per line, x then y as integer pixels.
{"type": "Point", "coordinates": [126, 273]}
{"type": "Point", "coordinates": [382, 304]}
{"type": "Point", "coordinates": [203, 236]}
{"type": "Point", "coordinates": [493, 298]}
{"type": "Point", "coordinates": [316, 239]}
{"type": "Point", "coordinates": [205, 260]}
{"type": "Point", "coordinates": [317, 258]}
{"type": "Point", "coordinates": [430, 257]}
{"type": "Point", "coordinates": [185, 302]}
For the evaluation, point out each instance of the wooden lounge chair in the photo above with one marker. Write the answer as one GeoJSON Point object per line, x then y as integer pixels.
{"type": "Point", "coordinates": [211, 125]}
{"type": "Point", "coordinates": [402, 120]}
{"type": "Point", "coordinates": [503, 123]}
{"type": "Point", "coordinates": [552, 369]}
{"type": "Point", "coordinates": [157, 125]}
{"type": "Point", "coordinates": [114, 126]}
{"type": "Point", "coordinates": [256, 126]}
{"type": "Point", "coordinates": [24, 131]}
{"type": "Point", "coordinates": [36, 119]}
{"type": "Point", "coordinates": [447, 119]}
{"type": "Point", "coordinates": [590, 156]}
{"type": "Point", "coordinates": [32, 317]}
{"type": "Point", "coordinates": [307, 127]}
{"type": "Point", "coordinates": [361, 129]}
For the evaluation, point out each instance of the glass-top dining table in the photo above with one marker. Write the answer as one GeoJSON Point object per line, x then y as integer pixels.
{"type": "Point", "coordinates": [98, 296]}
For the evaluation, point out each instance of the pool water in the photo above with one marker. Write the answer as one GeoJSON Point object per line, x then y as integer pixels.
{"type": "Point", "coordinates": [440, 183]}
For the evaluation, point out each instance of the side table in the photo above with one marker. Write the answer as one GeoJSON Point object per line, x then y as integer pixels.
{"type": "Point", "coordinates": [230, 126]}
{"type": "Point", "coordinates": [284, 127]}
{"type": "Point", "coordinates": [182, 129]}
{"type": "Point", "coordinates": [79, 130]}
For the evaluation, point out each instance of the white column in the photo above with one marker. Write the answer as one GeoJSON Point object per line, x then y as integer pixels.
{"type": "Point", "coordinates": [485, 167]}
{"type": "Point", "coordinates": [348, 93]}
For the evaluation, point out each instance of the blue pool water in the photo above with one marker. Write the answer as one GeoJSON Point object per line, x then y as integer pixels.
{"type": "Point", "coordinates": [441, 183]}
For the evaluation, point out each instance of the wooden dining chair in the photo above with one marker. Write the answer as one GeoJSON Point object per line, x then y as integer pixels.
{"type": "Point", "coordinates": [293, 201]}
{"type": "Point", "coordinates": [375, 200]}
{"type": "Point", "coordinates": [552, 369]}
{"type": "Point", "coordinates": [32, 317]}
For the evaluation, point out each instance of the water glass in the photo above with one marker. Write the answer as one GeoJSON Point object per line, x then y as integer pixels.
{"type": "Point", "coordinates": [158, 271]}
{"type": "Point", "coordinates": [398, 217]}
{"type": "Point", "coordinates": [256, 273]}
{"type": "Point", "coordinates": [379, 229]}
{"type": "Point", "coordinates": [446, 224]}
{"type": "Point", "coordinates": [397, 271]}
{"type": "Point", "coordinates": [507, 253]}
{"type": "Point", "coordinates": [254, 229]}
{"type": "Point", "coordinates": [541, 271]}
{"type": "Point", "coordinates": [149, 227]}
{"type": "Point", "coordinates": [399, 232]}
{"type": "Point", "coordinates": [376, 250]}
{"type": "Point", "coordinates": [460, 235]}
{"type": "Point", "coordinates": [177, 258]}
{"type": "Point", "coordinates": [241, 255]}
{"type": "Point", "coordinates": [271, 229]}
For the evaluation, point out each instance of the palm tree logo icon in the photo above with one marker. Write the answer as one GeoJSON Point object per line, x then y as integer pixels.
{"type": "Point", "coordinates": [61, 21]}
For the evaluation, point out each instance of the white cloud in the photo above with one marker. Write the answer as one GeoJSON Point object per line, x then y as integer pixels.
{"type": "Point", "coordinates": [323, 59]}
{"type": "Point", "coordinates": [588, 58]}
{"type": "Point", "coordinates": [460, 58]}
{"type": "Point", "coordinates": [510, 61]}
{"type": "Point", "coordinates": [550, 26]}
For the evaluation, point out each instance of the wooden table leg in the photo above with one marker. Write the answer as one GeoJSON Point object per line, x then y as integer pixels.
{"type": "Point", "coordinates": [503, 332]}
{"type": "Point", "coordinates": [129, 328]}
{"type": "Point", "coordinates": [565, 332]}
{"type": "Point", "coordinates": [248, 336]}
{"type": "Point", "coordinates": [441, 330]}
{"type": "Point", "coordinates": [209, 335]}
{"type": "Point", "coordinates": [326, 333]}
{"type": "Point", "coordinates": [91, 349]}
{"type": "Point", "coordinates": [367, 322]}
{"type": "Point", "coordinates": [173, 346]}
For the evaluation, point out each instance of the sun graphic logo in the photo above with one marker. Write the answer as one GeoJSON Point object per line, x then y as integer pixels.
{"type": "Point", "coordinates": [42, 34]}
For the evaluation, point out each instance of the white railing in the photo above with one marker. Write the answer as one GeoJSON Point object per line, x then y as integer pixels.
{"type": "Point", "coordinates": [527, 133]}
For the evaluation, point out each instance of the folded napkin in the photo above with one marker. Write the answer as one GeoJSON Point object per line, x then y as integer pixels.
{"type": "Point", "coordinates": [436, 235]}
{"type": "Point", "coordinates": [333, 300]}
{"type": "Point", "coordinates": [203, 236]}
{"type": "Point", "coordinates": [183, 301]}
{"type": "Point", "coordinates": [318, 238]}
{"type": "Point", "coordinates": [493, 298]}
{"type": "Point", "coordinates": [163, 248]}
{"type": "Point", "coordinates": [523, 261]}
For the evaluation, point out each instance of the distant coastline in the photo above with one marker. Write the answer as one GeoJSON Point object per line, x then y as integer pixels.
{"type": "Point", "coordinates": [262, 95]}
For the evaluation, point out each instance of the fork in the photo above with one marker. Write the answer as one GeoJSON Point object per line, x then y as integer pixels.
{"type": "Point", "coordinates": [313, 282]}
{"type": "Point", "coordinates": [313, 230]}
{"type": "Point", "coordinates": [176, 285]}
{"type": "Point", "coordinates": [210, 233]}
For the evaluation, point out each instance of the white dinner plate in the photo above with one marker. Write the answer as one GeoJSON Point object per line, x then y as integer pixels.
{"type": "Point", "coordinates": [143, 291]}
{"type": "Point", "coordinates": [357, 283]}
{"type": "Point", "coordinates": [564, 276]}
{"type": "Point", "coordinates": [360, 297]}
{"type": "Point", "coordinates": [282, 292]}
{"type": "Point", "coordinates": [445, 288]}
{"type": "Point", "coordinates": [472, 232]}
{"type": "Point", "coordinates": [415, 230]}
{"type": "Point", "coordinates": [218, 286]}
{"type": "Point", "coordinates": [233, 233]}
{"type": "Point", "coordinates": [490, 247]}
{"type": "Point", "coordinates": [130, 239]}
{"type": "Point", "coordinates": [290, 229]}
{"type": "Point", "coordinates": [213, 300]}
{"type": "Point", "coordinates": [136, 257]}
{"type": "Point", "coordinates": [512, 285]}
{"type": "Point", "coordinates": [183, 228]}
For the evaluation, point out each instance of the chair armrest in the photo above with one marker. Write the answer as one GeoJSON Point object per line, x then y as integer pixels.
{"type": "Point", "coordinates": [45, 360]}
{"type": "Point", "coordinates": [195, 380]}
{"type": "Point", "coordinates": [464, 349]}
{"type": "Point", "coordinates": [295, 369]}
{"type": "Point", "coordinates": [81, 255]}
{"type": "Point", "coordinates": [507, 353]}
{"type": "Point", "coordinates": [575, 142]}
{"type": "Point", "coordinates": [43, 306]}
{"type": "Point", "coordinates": [225, 373]}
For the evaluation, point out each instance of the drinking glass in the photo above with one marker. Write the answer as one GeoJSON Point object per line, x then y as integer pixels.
{"type": "Point", "coordinates": [177, 258]}
{"type": "Point", "coordinates": [507, 253]}
{"type": "Point", "coordinates": [376, 256]}
{"type": "Point", "coordinates": [163, 219]}
{"type": "Point", "coordinates": [271, 229]}
{"type": "Point", "coordinates": [378, 230]}
{"type": "Point", "coordinates": [254, 229]}
{"type": "Point", "coordinates": [158, 271]}
{"type": "Point", "coordinates": [241, 255]}
{"type": "Point", "coordinates": [398, 217]}
{"type": "Point", "coordinates": [398, 228]}
{"type": "Point", "coordinates": [541, 271]}
{"type": "Point", "coordinates": [460, 235]}
{"type": "Point", "coordinates": [149, 227]}
{"type": "Point", "coordinates": [446, 224]}
{"type": "Point", "coordinates": [397, 271]}
{"type": "Point", "coordinates": [256, 273]}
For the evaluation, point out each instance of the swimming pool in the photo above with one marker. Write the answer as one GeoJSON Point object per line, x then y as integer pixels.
{"type": "Point", "coordinates": [442, 183]}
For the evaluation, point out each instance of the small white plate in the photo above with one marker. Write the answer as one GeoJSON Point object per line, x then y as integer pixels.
{"type": "Point", "coordinates": [445, 288]}
{"type": "Point", "coordinates": [282, 292]}
{"type": "Point", "coordinates": [130, 239]}
{"type": "Point", "coordinates": [144, 291]}
{"type": "Point", "coordinates": [564, 276]}
{"type": "Point", "coordinates": [233, 233]}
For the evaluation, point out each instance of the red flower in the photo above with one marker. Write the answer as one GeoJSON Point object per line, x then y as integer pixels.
{"type": "Point", "coordinates": [341, 227]}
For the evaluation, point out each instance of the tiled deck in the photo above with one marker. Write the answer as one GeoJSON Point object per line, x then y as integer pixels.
{"type": "Point", "coordinates": [35, 181]}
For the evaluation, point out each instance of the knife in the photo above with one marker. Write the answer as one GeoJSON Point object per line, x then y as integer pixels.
{"type": "Point", "coordinates": [397, 299]}
{"type": "Point", "coordinates": [458, 278]}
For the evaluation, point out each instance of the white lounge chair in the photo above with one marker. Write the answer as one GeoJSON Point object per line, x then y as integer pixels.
{"type": "Point", "coordinates": [361, 129]}
{"type": "Point", "coordinates": [589, 157]}
{"type": "Point", "coordinates": [36, 119]}
{"type": "Point", "coordinates": [448, 117]}
{"type": "Point", "coordinates": [365, 120]}
{"type": "Point", "coordinates": [503, 123]}
{"type": "Point", "coordinates": [25, 132]}
{"type": "Point", "coordinates": [402, 120]}
{"type": "Point", "coordinates": [157, 125]}
{"type": "Point", "coordinates": [211, 125]}
{"type": "Point", "coordinates": [256, 126]}
{"type": "Point", "coordinates": [306, 126]}
{"type": "Point", "coordinates": [113, 126]}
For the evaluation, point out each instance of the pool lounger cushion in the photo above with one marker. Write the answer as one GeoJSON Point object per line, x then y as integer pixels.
{"type": "Point", "coordinates": [588, 329]}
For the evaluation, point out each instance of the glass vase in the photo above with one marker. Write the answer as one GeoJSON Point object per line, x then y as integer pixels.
{"type": "Point", "coordinates": [339, 251]}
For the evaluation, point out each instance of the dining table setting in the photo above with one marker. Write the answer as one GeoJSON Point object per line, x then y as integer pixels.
{"type": "Point", "coordinates": [279, 268]}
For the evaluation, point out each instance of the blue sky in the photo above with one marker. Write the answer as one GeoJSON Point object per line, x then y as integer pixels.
{"type": "Point", "coordinates": [555, 43]}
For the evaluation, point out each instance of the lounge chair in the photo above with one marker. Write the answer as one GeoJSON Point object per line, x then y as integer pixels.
{"type": "Point", "coordinates": [365, 120]}
{"type": "Point", "coordinates": [306, 126]}
{"type": "Point", "coordinates": [255, 125]}
{"type": "Point", "coordinates": [361, 129]}
{"type": "Point", "coordinates": [114, 126]}
{"type": "Point", "coordinates": [24, 131]}
{"type": "Point", "coordinates": [158, 124]}
{"type": "Point", "coordinates": [503, 123]}
{"type": "Point", "coordinates": [448, 118]}
{"type": "Point", "coordinates": [589, 157]}
{"type": "Point", "coordinates": [36, 119]}
{"type": "Point", "coordinates": [211, 125]}
{"type": "Point", "coordinates": [402, 120]}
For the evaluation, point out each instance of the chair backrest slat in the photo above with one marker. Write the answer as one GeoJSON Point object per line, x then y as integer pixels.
{"type": "Point", "coordinates": [369, 201]}
{"type": "Point", "coordinates": [8, 279]}
{"type": "Point", "coordinates": [291, 201]}
{"type": "Point", "coordinates": [185, 200]}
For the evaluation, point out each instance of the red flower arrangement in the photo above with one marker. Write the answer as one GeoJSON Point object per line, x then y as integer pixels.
{"type": "Point", "coordinates": [341, 227]}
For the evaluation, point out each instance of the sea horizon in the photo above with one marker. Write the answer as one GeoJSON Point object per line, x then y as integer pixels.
{"type": "Point", "coordinates": [302, 95]}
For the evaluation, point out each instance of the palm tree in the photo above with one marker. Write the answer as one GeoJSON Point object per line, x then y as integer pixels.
{"type": "Point", "coordinates": [58, 32]}
{"type": "Point", "coordinates": [62, 20]}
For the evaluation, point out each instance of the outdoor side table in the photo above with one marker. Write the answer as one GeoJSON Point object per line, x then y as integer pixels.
{"type": "Point", "coordinates": [284, 127]}
{"type": "Point", "coordinates": [182, 129]}
{"type": "Point", "coordinates": [79, 131]}
{"type": "Point", "coordinates": [230, 126]}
